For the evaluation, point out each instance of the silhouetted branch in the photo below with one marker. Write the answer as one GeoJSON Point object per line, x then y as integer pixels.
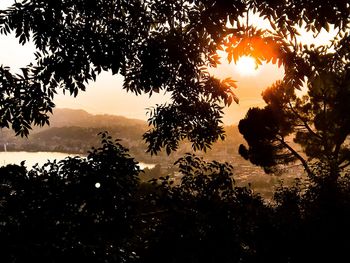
{"type": "Point", "coordinates": [305, 124]}
{"type": "Point", "coordinates": [297, 155]}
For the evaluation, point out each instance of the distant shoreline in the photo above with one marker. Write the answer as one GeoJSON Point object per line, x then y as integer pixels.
{"type": "Point", "coordinates": [42, 157]}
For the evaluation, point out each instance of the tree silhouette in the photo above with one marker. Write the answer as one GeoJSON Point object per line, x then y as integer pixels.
{"type": "Point", "coordinates": [158, 46]}
{"type": "Point", "coordinates": [318, 121]}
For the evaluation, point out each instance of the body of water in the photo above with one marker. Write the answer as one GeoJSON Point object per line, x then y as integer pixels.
{"type": "Point", "coordinates": [40, 158]}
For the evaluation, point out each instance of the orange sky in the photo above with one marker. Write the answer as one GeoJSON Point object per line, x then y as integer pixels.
{"type": "Point", "coordinates": [106, 95]}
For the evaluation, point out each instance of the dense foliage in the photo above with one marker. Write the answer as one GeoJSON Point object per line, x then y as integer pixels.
{"type": "Point", "coordinates": [157, 46]}
{"type": "Point", "coordinates": [96, 210]}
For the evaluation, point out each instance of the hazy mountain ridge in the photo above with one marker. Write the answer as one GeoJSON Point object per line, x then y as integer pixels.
{"type": "Point", "coordinates": [81, 118]}
{"type": "Point", "coordinates": [75, 131]}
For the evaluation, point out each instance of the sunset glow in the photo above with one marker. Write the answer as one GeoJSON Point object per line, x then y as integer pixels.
{"type": "Point", "coordinates": [246, 66]}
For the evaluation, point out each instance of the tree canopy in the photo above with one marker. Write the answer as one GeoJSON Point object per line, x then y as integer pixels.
{"type": "Point", "coordinates": [157, 46]}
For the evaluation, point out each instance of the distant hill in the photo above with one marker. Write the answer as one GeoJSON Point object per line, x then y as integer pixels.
{"type": "Point", "coordinates": [75, 131]}
{"type": "Point", "coordinates": [81, 118]}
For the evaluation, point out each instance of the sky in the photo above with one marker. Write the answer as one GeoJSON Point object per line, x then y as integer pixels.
{"type": "Point", "coordinates": [106, 96]}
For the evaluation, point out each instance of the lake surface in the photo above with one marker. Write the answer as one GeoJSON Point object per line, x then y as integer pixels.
{"type": "Point", "coordinates": [40, 158]}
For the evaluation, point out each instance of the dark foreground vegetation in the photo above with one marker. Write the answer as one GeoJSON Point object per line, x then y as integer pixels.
{"type": "Point", "coordinates": [96, 210]}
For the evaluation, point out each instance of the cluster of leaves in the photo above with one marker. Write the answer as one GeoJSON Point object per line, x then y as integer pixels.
{"type": "Point", "coordinates": [260, 44]}
{"type": "Point", "coordinates": [23, 101]}
{"type": "Point", "coordinates": [195, 116]}
{"type": "Point", "coordinates": [157, 46]}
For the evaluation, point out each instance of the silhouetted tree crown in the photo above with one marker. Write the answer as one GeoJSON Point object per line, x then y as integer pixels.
{"type": "Point", "coordinates": [316, 124]}
{"type": "Point", "coordinates": [157, 46]}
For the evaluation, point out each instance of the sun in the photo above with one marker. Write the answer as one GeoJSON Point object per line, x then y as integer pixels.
{"type": "Point", "coordinates": [246, 66]}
